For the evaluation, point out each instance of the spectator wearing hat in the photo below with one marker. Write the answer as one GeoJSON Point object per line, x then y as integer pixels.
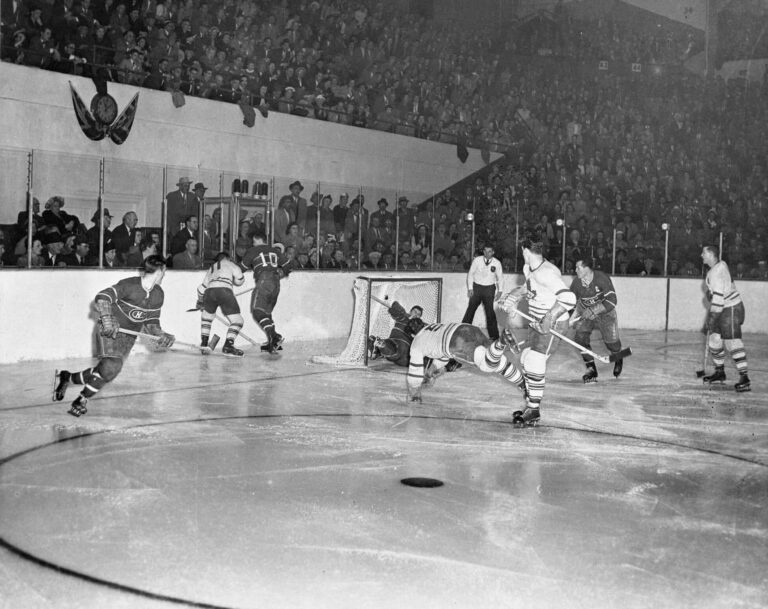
{"type": "Point", "coordinates": [79, 257]}
{"type": "Point", "coordinates": [180, 204]}
{"type": "Point", "coordinates": [92, 234]}
{"type": "Point", "coordinates": [53, 243]}
{"type": "Point", "coordinates": [110, 256]}
{"type": "Point", "coordinates": [295, 205]}
{"type": "Point", "coordinates": [382, 214]}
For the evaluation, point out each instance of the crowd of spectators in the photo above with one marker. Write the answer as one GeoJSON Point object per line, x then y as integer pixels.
{"type": "Point", "coordinates": [612, 152]}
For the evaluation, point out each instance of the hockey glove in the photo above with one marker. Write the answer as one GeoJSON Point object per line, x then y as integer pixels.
{"type": "Point", "coordinates": [543, 326]}
{"type": "Point", "coordinates": [108, 322]}
{"type": "Point", "coordinates": [109, 326]}
{"type": "Point", "coordinates": [166, 340]}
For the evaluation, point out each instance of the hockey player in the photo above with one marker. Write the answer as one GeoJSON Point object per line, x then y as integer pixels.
{"type": "Point", "coordinates": [726, 315]}
{"type": "Point", "coordinates": [216, 292]}
{"type": "Point", "coordinates": [438, 344]}
{"type": "Point", "coordinates": [269, 265]}
{"type": "Point", "coordinates": [549, 301]}
{"type": "Point", "coordinates": [396, 348]}
{"type": "Point", "coordinates": [595, 308]}
{"type": "Point", "coordinates": [132, 304]}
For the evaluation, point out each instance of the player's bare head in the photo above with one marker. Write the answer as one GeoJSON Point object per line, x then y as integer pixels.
{"type": "Point", "coordinates": [586, 264]}
{"type": "Point", "coordinates": [710, 254]}
{"type": "Point", "coordinates": [416, 311]}
{"type": "Point", "coordinates": [153, 264]}
{"type": "Point", "coordinates": [533, 244]}
{"type": "Point", "coordinates": [259, 237]}
{"type": "Point", "coordinates": [415, 325]}
{"type": "Point", "coordinates": [222, 256]}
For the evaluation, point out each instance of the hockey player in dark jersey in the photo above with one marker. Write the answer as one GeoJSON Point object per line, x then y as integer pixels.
{"type": "Point", "coordinates": [396, 348]}
{"type": "Point", "coordinates": [595, 308]}
{"type": "Point", "coordinates": [269, 265]}
{"type": "Point", "coordinates": [132, 304]}
{"type": "Point", "coordinates": [216, 292]}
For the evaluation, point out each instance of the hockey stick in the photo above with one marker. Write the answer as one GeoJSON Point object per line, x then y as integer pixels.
{"type": "Point", "coordinates": [611, 358]}
{"type": "Point", "coordinates": [211, 345]}
{"type": "Point", "coordinates": [236, 295]}
{"type": "Point", "coordinates": [380, 301]}
{"type": "Point", "coordinates": [703, 371]}
{"type": "Point", "coordinates": [226, 323]}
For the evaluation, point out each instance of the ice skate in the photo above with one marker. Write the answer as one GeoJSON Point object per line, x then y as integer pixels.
{"type": "Point", "coordinates": [205, 349]}
{"type": "Point", "coordinates": [78, 407]}
{"type": "Point", "coordinates": [61, 380]}
{"type": "Point", "coordinates": [591, 375]}
{"type": "Point", "coordinates": [230, 349]}
{"type": "Point", "coordinates": [508, 340]}
{"type": "Point", "coordinates": [618, 366]}
{"type": "Point", "coordinates": [526, 418]}
{"type": "Point", "coordinates": [718, 376]}
{"type": "Point", "coordinates": [373, 351]}
{"type": "Point", "coordinates": [274, 344]}
{"type": "Point", "coordinates": [743, 384]}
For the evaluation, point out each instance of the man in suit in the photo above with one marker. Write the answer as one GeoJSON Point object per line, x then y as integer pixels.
{"type": "Point", "coordinates": [79, 256]}
{"type": "Point", "coordinates": [296, 205]}
{"type": "Point", "coordinates": [181, 204]}
{"type": "Point", "coordinates": [188, 259]}
{"type": "Point", "coordinates": [53, 243]}
{"type": "Point", "coordinates": [124, 236]}
{"type": "Point", "coordinates": [179, 240]}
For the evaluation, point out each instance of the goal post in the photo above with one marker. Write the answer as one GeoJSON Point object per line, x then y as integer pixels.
{"type": "Point", "coordinates": [371, 318]}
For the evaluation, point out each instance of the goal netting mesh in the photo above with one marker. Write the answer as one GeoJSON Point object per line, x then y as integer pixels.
{"type": "Point", "coordinates": [371, 318]}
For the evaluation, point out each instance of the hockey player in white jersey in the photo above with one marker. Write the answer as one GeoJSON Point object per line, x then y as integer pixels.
{"type": "Point", "coordinates": [216, 292]}
{"type": "Point", "coordinates": [724, 320]}
{"type": "Point", "coordinates": [549, 301]}
{"type": "Point", "coordinates": [437, 344]}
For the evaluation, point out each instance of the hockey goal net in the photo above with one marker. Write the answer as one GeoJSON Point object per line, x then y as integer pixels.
{"type": "Point", "coordinates": [371, 318]}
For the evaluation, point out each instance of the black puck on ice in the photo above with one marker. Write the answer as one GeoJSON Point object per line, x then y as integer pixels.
{"type": "Point", "coordinates": [422, 482]}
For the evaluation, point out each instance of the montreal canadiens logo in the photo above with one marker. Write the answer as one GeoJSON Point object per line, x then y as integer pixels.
{"type": "Point", "coordinates": [138, 315]}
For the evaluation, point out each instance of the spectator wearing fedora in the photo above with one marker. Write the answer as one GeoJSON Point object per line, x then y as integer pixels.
{"type": "Point", "coordinates": [180, 204]}
{"type": "Point", "coordinates": [92, 234]}
{"type": "Point", "coordinates": [110, 256]}
{"type": "Point", "coordinates": [382, 214]}
{"type": "Point", "coordinates": [296, 206]}
{"type": "Point", "coordinates": [53, 243]}
{"type": "Point", "coordinates": [405, 220]}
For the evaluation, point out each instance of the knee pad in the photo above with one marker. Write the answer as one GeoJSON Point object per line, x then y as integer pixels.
{"type": "Point", "coordinates": [534, 363]}
{"type": "Point", "coordinates": [715, 342]}
{"type": "Point", "coordinates": [479, 360]}
{"type": "Point", "coordinates": [235, 319]}
{"type": "Point", "coordinates": [733, 343]}
{"type": "Point", "coordinates": [109, 367]}
{"type": "Point", "coordinates": [206, 316]}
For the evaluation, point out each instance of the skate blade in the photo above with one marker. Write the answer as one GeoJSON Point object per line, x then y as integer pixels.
{"type": "Point", "coordinates": [54, 393]}
{"type": "Point", "coordinates": [743, 389]}
{"type": "Point", "coordinates": [55, 383]}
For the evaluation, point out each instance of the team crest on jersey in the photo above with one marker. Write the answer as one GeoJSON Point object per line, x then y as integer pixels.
{"type": "Point", "coordinates": [138, 315]}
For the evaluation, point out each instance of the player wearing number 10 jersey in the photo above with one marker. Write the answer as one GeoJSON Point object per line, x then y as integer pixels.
{"type": "Point", "coordinates": [269, 265]}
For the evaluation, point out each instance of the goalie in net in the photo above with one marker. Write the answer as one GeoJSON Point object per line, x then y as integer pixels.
{"type": "Point", "coordinates": [377, 302]}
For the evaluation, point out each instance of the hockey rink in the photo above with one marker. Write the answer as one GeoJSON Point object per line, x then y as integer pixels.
{"type": "Point", "coordinates": [271, 482]}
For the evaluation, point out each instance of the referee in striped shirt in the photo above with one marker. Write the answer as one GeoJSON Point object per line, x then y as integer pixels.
{"type": "Point", "coordinates": [484, 279]}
